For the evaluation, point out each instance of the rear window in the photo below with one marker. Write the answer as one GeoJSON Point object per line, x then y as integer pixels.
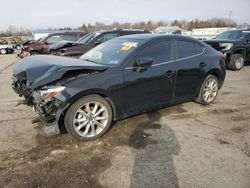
{"type": "Point", "coordinates": [188, 48]}
{"type": "Point", "coordinates": [69, 37]}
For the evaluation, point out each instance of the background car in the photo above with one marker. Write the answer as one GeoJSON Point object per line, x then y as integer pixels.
{"type": "Point", "coordinates": [235, 44]}
{"type": "Point", "coordinates": [16, 42]}
{"type": "Point", "coordinates": [42, 45]}
{"type": "Point", "coordinates": [6, 49]}
{"type": "Point", "coordinates": [117, 79]}
{"type": "Point", "coordinates": [75, 49]}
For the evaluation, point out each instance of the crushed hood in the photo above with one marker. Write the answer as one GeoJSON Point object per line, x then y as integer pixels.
{"type": "Point", "coordinates": [63, 44]}
{"type": "Point", "coordinates": [44, 69]}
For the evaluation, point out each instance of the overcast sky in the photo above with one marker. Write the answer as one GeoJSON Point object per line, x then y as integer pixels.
{"type": "Point", "coordinates": [37, 14]}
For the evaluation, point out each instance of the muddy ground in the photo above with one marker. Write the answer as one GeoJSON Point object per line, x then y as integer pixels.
{"type": "Point", "coordinates": [187, 145]}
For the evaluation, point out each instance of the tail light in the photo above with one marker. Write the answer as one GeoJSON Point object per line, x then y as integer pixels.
{"type": "Point", "coordinates": [223, 58]}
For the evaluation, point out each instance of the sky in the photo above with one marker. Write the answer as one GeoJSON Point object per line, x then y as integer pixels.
{"type": "Point", "coordinates": [41, 14]}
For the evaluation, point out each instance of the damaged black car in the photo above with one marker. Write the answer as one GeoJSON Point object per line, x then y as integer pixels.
{"type": "Point", "coordinates": [117, 79]}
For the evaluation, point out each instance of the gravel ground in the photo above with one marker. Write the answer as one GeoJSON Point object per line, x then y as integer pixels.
{"type": "Point", "coordinates": [187, 145]}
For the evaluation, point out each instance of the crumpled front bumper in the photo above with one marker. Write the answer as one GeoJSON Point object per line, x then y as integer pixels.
{"type": "Point", "coordinates": [49, 111]}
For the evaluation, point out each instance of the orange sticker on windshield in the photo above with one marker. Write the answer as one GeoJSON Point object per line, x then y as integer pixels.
{"type": "Point", "coordinates": [128, 45]}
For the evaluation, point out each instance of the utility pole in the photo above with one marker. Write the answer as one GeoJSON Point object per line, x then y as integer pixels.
{"type": "Point", "coordinates": [230, 20]}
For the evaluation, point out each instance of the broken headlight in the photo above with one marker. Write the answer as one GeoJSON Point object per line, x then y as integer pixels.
{"type": "Point", "coordinates": [48, 93]}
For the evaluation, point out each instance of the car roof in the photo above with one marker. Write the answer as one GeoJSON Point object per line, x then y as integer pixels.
{"type": "Point", "coordinates": [147, 37]}
{"type": "Point", "coordinates": [67, 32]}
{"type": "Point", "coordinates": [122, 30]}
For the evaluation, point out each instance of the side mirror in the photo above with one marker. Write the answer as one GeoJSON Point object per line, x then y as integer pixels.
{"type": "Point", "coordinates": [143, 63]}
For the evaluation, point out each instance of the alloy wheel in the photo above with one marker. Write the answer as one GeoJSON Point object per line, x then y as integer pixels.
{"type": "Point", "coordinates": [239, 62]}
{"type": "Point", "coordinates": [210, 90]}
{"type": "Point", "coordinates": [90, 119]}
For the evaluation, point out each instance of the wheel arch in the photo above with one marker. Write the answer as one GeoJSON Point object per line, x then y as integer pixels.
{"type": "Point", "coordinates": [61, 115]}
{"type": "Point", "coordinates": [99, 92]}
{"type": "Point", "coordinates": [240, 51]}
{"type": "Point", "coordinates": [216, 73]}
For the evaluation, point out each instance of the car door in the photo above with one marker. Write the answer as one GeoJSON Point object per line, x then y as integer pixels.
{"type": "Point", "coordinates": [191, 68]}
{"type": "Point", "coordinates": [154, 86]}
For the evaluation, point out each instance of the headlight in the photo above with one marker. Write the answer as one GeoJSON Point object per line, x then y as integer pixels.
{"type": "Point", "coordinates": [226, 46]}
{"type": "Point", "coordinates": [46, 94]}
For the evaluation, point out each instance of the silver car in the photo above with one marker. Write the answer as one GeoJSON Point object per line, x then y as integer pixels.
{"type": "Point", "coordinates": [6, 49]}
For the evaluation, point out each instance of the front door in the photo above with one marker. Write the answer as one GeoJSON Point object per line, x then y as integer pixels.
{"type": "Point", "coordinates": [153, 86]}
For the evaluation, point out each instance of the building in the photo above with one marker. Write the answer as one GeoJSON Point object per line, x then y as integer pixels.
{"type": "Point", "coordinates": [168, 30]}
{"type": "Point", "coordinates": [205, 33]}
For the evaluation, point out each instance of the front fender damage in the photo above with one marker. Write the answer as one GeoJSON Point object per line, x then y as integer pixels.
{"type": "Point", "coordinates": [50, 110]}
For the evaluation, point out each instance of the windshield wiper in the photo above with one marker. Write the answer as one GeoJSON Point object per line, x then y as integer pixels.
{"type": "Point", "coordinates": [89, 60]}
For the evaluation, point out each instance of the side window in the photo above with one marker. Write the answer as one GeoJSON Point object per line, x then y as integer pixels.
{"type": "Point", "coordinates": [185, 49]}
{"type": "Point", "coordinates": [160, 52]}
{"type": "Point", "coordinates": [199, 48]}
{"type": "Point", "coordinates": [54, 39]}
{"type": "Point", "coordinates": [108, 36]}
{"type": "Point", "coordinates": [69, 37]}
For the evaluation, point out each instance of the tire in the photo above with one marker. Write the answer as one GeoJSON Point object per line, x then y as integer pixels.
{"type": "Point", "coordinates": [10, 51]}
{"type": "Point", "coordinates": [208, 91]}
{"type": "Point", "coordinates": [236, 62]}
{"type": "Point", "coordinates": [89, 118]}
{"type": "Point", "coordinates": [3, 51]}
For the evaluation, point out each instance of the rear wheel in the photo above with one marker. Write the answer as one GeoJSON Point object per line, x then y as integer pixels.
{"type": "Point", "coordinates": [89, 118]}
{"type": "Point", "coordinates": [236, 62]}
{"type": "Point", "coordinates": [3, 51]}
{"type": "Point", "coordinates": [209, 90]}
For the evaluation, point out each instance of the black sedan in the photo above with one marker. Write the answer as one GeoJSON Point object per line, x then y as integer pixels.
{"type": "Point", "coordinates": [117, 79]}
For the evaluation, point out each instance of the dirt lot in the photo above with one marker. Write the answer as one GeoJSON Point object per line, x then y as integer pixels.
{"type": "Point", "coordinates": [182, 146]}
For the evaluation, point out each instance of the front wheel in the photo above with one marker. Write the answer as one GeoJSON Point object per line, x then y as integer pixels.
{"type": "Point", "coordinates": [89, 118]}
{"type": "Point", "coordinates": [209, 90]}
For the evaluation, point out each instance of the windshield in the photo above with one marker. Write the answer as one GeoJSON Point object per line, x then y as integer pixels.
{"type": "Point", "coordinates": [112, 52]}
{"type": "Point", "coordinates": [89, 37]}
{"type": "Point", "coordinates": [231, 35]}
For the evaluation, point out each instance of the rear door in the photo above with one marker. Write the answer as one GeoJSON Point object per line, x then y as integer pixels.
{"type": "Point", "coordinates": [154, 86]}
{"type": "Point", "coordinates": [191, 68]}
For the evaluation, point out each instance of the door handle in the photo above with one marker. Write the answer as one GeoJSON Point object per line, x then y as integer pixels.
{"type": "Point", "coordinates": [170, 74]}
{"type": "Point", "coordinates": [202, 65]}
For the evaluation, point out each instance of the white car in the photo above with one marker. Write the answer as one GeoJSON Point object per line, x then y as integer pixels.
{"type": "Point", "coordinates": [6, 49]}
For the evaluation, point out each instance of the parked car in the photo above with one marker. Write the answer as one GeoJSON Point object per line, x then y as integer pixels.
{"type": "Point", "coordinates": [17, 42]}
{"type": "Point", "coordinates": [76, 49]}
{"type": "Point", "coordinates": [42, 45]}
{"type": "Point", "coordinates": [235, 44]}
{"type": "Point", "coordinates": [6, 49]}
{"type": "Point", "coordinates": [117, 79]}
